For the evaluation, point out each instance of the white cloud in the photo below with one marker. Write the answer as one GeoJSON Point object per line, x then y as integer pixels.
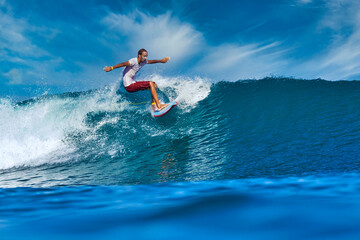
{"type": "Point", "coordinates": [12, 36]}
{"type": "Point", "coordinates": [14, 77]}
{"type": "Point", "coordinates": [234, 62]}
{"type": "Point", "coordinates": [341, 60]}
{"type": "Point", "coordinates": [339, 14]}
{"type": "Point", "coordinates": [161, 35]}
{"type": "Point", "coordinates": [18, 49]}
{"type": "Point", "coordinates": [33, 64]}
{"type": "Point", "coordinates": [304, 1]}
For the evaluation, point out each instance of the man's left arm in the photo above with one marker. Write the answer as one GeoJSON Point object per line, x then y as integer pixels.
{"type": "Point", "coordinates": [164, 60]}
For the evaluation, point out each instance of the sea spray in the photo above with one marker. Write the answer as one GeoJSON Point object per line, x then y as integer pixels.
{"type": "Point", "coordinates": [52, 129]}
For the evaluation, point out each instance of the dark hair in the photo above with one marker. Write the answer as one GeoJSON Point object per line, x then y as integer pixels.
{"type": "Point", "coordinates": [141, 51]}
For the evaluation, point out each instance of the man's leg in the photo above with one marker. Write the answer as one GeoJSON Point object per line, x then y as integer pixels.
{"type": "Point", "coordinates": [154, 96]}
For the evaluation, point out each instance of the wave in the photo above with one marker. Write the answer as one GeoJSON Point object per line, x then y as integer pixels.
{"type": "Point", "coordinates": [224, 130]}
{"type": "Point", "coordinates": [42, 130]}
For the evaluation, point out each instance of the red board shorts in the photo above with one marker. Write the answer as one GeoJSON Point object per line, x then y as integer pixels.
{"type": "Point", "coordinates": [138, 86]}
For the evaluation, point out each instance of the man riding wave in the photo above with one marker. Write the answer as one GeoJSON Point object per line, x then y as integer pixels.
{"type": "Point", "coordinates": [131, 68]}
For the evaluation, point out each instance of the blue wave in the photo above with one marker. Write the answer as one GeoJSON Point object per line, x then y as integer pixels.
{"type": "Point", "coordinates": [265, 128]}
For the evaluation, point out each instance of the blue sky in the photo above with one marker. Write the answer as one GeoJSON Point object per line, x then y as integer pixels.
{"type": "Point", "coordinates": [64, 45]}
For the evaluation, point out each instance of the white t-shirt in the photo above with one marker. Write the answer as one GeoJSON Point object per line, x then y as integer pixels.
{"type": "Point", "coordinates": [130, 71]}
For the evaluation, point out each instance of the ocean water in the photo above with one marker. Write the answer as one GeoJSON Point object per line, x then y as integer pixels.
{"type": "Point", "coordinates": [275, 158]}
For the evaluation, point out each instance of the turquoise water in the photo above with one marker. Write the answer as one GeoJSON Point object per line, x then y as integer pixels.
{"type": "Point", "coordinates": [258, 159]}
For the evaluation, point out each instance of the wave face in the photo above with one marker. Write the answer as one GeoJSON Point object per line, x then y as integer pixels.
{"type": "Point", "coordinates": [227, 130]}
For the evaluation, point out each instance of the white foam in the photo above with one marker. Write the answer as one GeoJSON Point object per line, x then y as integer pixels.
{"type": "Point", "coordinates": [35, 133]}
{"type": "Point", "coordinates": [184, 90]}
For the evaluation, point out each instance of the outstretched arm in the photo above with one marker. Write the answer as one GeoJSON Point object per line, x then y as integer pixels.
{"type": "Point", "coordinates": [124, 64]}
{"type": "Point", "coordinates": [164, 60]}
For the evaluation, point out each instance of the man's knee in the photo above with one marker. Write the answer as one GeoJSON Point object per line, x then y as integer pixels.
{"type": "Point", "coordinates": [153, 84]}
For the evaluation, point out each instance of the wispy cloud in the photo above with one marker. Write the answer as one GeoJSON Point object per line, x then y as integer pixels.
{"type": "Point", "coordinates": [30, 60]}
{"type": "Point", "coordinates": [163, 35]}
{"type": "Point", "coordinates": [13, 42]}
{"type": "Point", "coordinates": [14, 76]}
{"type": "Point", "coordinates": [341, 60]}
{"type": "Point", "coordinates": [234, 62]}
{"type": "Point", "coordinates": [16, 48]}
{"type": "Point", "coordinates": [304, 1]}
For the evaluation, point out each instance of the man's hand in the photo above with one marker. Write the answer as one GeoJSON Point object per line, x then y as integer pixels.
{"type": "Point", "coordinates": [165, 60]}
{"type": "Point", "coordinates": [108, 69]}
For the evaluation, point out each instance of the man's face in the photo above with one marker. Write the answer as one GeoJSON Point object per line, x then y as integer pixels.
{"type": "Point", "coordinates": [143, 56]}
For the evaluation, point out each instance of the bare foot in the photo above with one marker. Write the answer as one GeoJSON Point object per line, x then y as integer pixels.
{"type": "Point", "coordinates": [162, 106]}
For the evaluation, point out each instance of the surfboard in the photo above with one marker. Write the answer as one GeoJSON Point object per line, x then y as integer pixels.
{"type": "Point", "coordinates": [162, 112]}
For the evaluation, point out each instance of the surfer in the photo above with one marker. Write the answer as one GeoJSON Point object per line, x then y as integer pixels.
{"type": "Point", "coordinates": [131, 68]}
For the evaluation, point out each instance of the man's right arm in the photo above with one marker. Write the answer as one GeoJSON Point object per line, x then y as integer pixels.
{"type": "Point", "coordinates": [124, 64]}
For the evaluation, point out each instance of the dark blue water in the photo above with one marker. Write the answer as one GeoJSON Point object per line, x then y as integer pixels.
{"type": "Point", "coordinates": [265, 159]}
